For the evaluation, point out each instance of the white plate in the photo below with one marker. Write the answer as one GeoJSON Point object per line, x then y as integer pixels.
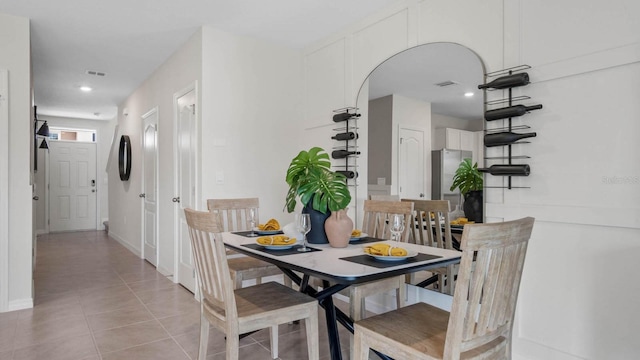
{"type": "Point", "coordinates": [410, 254]}
{"type": "Point", "coordinates": [268, 232]}
{"type": "Point", "coordinates": [356, 238]}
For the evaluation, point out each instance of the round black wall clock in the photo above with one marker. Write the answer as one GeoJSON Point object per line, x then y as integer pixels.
{"type": "Point", "coordinates": [124, 158]}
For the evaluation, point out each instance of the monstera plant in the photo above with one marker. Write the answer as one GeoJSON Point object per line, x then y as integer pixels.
{"type": "Point", "coordinates": [470, 182]}
{"type": "Point", "coordinates": [310, 177]}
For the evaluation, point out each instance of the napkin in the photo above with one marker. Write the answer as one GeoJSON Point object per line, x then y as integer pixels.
{"type": "Point", "coordinates": [275, 240]}
{"type": "Point", "coordinates": [271, 225]}
{"type": "Point", "coordinates": [385, 250]}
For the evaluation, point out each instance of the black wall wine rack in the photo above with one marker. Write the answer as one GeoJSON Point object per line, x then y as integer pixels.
{"type": "Point", "coordinates": [507, 109]}
{"type": "Point", "coordinates": [346, 142]}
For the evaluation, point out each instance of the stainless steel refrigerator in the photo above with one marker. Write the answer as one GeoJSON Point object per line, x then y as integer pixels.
{"type": "Point", "coordinates": [444, 164]}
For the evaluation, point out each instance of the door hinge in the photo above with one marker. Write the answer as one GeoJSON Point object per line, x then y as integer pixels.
{"type": "Point", "coordinates": [401, 140]}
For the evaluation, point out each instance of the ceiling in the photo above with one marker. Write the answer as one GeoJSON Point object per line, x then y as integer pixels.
{"type": "Point", "coordinates": [416, 73]}
{"type": "Point", "coordinates": [127, 40]}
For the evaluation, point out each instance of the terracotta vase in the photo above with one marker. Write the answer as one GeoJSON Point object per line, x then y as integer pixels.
{"type": "Point", "coordinates": [338, 228]}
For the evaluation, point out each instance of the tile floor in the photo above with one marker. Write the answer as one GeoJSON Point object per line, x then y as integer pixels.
{"type": "Point", "coordinates": [94, 299]}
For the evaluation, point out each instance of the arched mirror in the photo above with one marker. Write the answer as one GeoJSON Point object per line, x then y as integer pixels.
{"type": "Point", "coordinates": [424, 114]}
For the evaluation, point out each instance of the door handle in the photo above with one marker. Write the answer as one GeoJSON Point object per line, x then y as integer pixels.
{"type": "Point", "coordinates": [93, 183]}
{"type": "Point", "coordinates": [142, 195]}
{"type": "Point", "coordinates": [176, 199]}
{"type": "Point", "coordinates": [421, 195]}
{"type": "Point", "coordinates": [36, 198]}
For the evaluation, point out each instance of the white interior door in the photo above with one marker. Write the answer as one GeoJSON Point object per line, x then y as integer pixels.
{"type": "Point", "coordinates": [411, 164]}
{"type": "Point", "coordinates": [186, 183]}
{"type": "Point", "coordinates": [150, 186]}
{"type": "Point", "coordinates": [72, 185]}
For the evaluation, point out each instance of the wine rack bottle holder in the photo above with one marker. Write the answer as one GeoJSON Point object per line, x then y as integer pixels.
{"type": "Point", "coordinates": [507, 79]}
{"type": "Point", "coordinates": [346, 142]}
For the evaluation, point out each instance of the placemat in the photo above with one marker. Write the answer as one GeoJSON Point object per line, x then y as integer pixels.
{"type": "Point", "coordinates": [364, 240]}
{"type": "Point", "coordinates": [370, 261]}
{"type": "Point", "coordinates": [293, 250]}
{"type": "Point", "coordinates": [247, 233]}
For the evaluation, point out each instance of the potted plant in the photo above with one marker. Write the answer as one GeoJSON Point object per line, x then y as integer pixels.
{"type": "Point", "coordinates": [320, 190]}
{"type": "Point", "coordinates": [470, 182]}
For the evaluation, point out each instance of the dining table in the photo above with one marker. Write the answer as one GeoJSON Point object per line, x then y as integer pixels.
{"type": "Point", "coordinates": [339, 268]}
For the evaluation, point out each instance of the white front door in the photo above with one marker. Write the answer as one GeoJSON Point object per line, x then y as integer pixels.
{"type": "Point", "coordinates": [411, 164]}
{"type": "Point", "coordinates": [150, 186]}
{"type": "Point", "coordinates": [72, 185]}
{"type": "Point", "coordinates": [186, 183]}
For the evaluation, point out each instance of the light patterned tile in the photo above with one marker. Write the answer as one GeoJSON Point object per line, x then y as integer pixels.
{"type": "Point", "coordinates": [159, 350]}
{"type": "Point", "coordinates": [129, 336]}
{"type": "Point", "coordinates": [118, 318]}
{"type": "Point", "coordinates": [72, 348]}
{"type": "Point", "coordinates": [249, 352]}
{"type": "Point", "coordinates": [190, 342]}
{"type": "Point", "coordinates": [32, 333]}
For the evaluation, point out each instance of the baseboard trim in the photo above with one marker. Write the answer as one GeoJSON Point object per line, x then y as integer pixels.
{"type": "Point", "coordinates": [122, 242]}
{"type": "Point", "coordinates": [20, 304]}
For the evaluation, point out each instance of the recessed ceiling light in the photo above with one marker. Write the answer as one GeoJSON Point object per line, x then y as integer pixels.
{"type": "Point", "coordinates": [468, 94]}
{"type": "Point", "coordinates": [85, 88]}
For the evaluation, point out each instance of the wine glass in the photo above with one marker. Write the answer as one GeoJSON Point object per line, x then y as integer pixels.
{"type": "Point", "coordinates": [252, 219]}
{"type": "Point", "coordinates": [304, 226]}
{"type": "Point", "coordinates": [397, 226]}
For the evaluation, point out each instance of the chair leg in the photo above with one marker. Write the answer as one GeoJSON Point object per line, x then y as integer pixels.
{"type": "Point", "coordinates": [360, 348]}
{"type": "Point", "coordinates": [287, 281]}
{"type": "Point", "coordinates": [311, 326]}
{"type": "Point", "coordinates": [273, 337]}
{"type": "Point", "coordinates": [401, 293]}
{"type": "Point", "coordinates": [204, 338]}
{"type": "Point", "coordinates": [233, 347]}
{"type": "Point", "coordinates": [236, 278]}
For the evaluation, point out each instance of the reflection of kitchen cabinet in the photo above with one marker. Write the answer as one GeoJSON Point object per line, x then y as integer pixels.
{"type": "Point", "coordinates": [457, 139]}
{"type": "Point", "coordinates": [448, 138]}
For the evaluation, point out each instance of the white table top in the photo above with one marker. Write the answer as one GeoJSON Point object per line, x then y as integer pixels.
{"type": "Point", "coordinates": [326, 264]}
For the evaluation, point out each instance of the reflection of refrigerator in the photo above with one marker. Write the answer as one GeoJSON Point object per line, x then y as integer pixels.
{"type": "Point", "coordinates": [444, 164]}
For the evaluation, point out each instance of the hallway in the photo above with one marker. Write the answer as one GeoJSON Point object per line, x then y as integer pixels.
{"type": "Point", "coordinates": [94, 299]}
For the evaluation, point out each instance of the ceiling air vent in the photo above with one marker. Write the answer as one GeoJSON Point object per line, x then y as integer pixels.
{"type": "Point", "coordinates": [95, 73]}
{"type": "Point", "coordinates": [446, 83]}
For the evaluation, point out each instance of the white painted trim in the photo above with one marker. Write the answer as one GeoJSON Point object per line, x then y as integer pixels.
{"type": "Point", "coordinates": [144, 117]}
{"type": "Point", "coordinates": [4, 190]}
{"type": "Point", "coordinates": [124, 243]}
{"type": "Point", "coordinates": [20, 304]}
{"type": "Point", "coordinates": [176, 189]}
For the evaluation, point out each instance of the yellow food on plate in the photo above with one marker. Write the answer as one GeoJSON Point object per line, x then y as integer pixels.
{"type": "Point", "coordinates": [356, 233]}
{"type": "Point", "coordinates": [385, 250]}
{"type": "Point", "coordinates": [461, 221]}
{"type": "Point", "coordinates": [276, 240]}
{"type": "Point", "coordinates": [271, 225]}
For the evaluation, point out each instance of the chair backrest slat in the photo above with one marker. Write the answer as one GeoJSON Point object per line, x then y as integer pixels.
{"type": "Point", "coordinates": [210, 260]}
{"type": "Point", "coordinates": [233, 212]}
{"type": "Point", "coordinates": [430, 216]}
{"type": "Point", "coordinates": [375, 222]}
{"type": "Point", "coordinates": [487, 287]}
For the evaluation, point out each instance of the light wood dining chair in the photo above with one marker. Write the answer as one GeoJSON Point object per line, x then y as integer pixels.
{"type": "Point", "coordinates": [239, 311]}
{"type": "Point", "coordinates": [233, 217]}
{"type": "Point", "coordinates": [375, 224]}
{"type": "Point", "coordinates": [481, 320]}
{"type": "Point", "coordinates": [385, 197]}
{"type": "Point", "coordinates": [431, 226]}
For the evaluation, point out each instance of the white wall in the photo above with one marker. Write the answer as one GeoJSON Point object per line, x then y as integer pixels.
{"type": "Point", "coordinates": [379, 150]}
{"type": "Point", "coordinates": [182, 69]}
{"type": "Point", "coordinates": [16, 262]}
{"type": "Point", "coordinates": [251, 119]}
{"type": "Point", "coordinates": [104, 134]}
{"type": "Point", "coordinates": [578, 289]}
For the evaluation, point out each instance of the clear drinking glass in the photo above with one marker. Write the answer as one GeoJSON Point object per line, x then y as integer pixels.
{"type": "Point", "coordinates": [304, 226]}
{"type": "Point", "coordinates": [397, 226]}
{"type": "Point", "coordinates": [252, 219]}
